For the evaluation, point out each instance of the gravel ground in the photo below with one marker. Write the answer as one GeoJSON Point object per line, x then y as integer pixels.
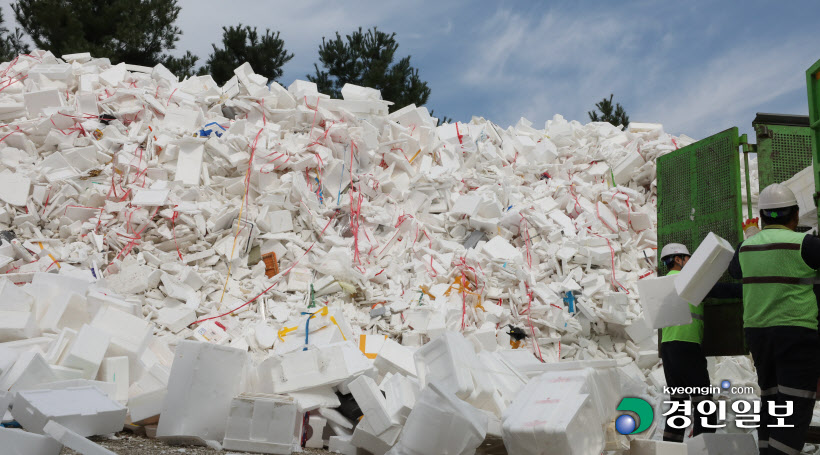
{"type": "Point", "coordinates": [130, 444]}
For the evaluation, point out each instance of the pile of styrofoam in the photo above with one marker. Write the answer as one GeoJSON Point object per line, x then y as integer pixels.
{"type": "Point", "coordinates": [145, 213]}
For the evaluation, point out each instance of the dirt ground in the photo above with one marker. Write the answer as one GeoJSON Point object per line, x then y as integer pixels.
{"type": "Point", "coordinates": [129, 444]}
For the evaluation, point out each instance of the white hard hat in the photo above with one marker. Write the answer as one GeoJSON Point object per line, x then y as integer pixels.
{"type": "Point", "coordinates": [776, 196]}
{"type": "Point", "coordinates": [673, 249]}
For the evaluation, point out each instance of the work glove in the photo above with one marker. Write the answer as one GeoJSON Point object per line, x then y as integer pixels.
{"type": "Point", "coordinates": [750, 227]}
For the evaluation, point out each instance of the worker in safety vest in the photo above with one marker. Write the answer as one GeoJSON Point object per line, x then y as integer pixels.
{"type": "Point", "coordinates": [684, 364]}
{"type": "Point", "coordinates": [778, 267]}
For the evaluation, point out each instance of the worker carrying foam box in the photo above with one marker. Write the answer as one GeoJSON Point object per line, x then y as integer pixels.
{"type": "Point", "coordinates": [684, 363]}
{"type": "Point", "coordinates": [780, 287]}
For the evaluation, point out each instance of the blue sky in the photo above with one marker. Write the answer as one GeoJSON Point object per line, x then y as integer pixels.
{"type": "Point", "coordinates": [698, 67]}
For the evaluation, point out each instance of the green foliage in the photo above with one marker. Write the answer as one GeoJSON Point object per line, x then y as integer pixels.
{"type": "Point", "coordinates": [11, 42]}
{"type": "Point", "coordinates": [615, 115]}
{"type": "Point", "coordinates": [266, 53]}
{"type": "Point", "coordinates": [182, 67]}
{"type": "Point", "coordinates": [367, 59]}
{"type": "Point", "coordinates": [443, 120]}
{"type": "Point", "coordinates": [132, 31]}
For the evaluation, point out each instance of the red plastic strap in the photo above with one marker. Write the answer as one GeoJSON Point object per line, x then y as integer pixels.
{"type": "Point", "coordinates": [532, 327]}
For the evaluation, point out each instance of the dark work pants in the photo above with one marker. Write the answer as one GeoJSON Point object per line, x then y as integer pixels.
{"type": "Point", "coordinates": [786, 359]}
{"type": "Point", "coordinates": [684, 365]}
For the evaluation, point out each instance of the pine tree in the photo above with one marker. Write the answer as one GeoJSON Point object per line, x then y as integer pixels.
{"type": "Point", "coordinates": [11, 42]}
{"type": "Point", "coordinates": [266, 54]}
{"type": "Point", "coordinates": [132, 31]}
{"type": "Point", "coordinates": [615, 115]}
{"type": "Point", "coordinates": [367, 59]}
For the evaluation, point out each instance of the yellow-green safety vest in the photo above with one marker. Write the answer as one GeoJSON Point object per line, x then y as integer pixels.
{"type": "Point", "coordinates": [778, 285]}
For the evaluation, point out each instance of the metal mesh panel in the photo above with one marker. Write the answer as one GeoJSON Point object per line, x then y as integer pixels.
{"type": "Point", "coordinates": [692, 204]}
{"type": "Point", "coordinates": [714, 175]}
{"type": "Point", "coordinates": [675, 174]}
{"type": "Point", "coordinates": [699, 193]}
{"type": "Point", "coordinates": [782, 151]}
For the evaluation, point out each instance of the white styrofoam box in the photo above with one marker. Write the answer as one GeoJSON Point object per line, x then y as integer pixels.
{"type": "Point", "coordinates": [189, 161]}
{"type": "Point", "coordinates": [624, 170]}
{"type": "Point", "coordinates": [181, 119]}
{"type": "Point", "coordinates": [129, 334]}
{"type": "Point", "coordinates": [176, 318]}
{"type": "Point", "coordinates": [505, 378]}
{"type": "Point", "coordinates": [802, 185]}
{"type": "Point", "coordinates": [14, 188]}
{"type": "Point", "coordinates": [395, 358]}
{"type": "Point", "coordinates": [204, 379]}
{"type": "Point", "coordinates": [441, 423]}
{"type": "Point", "coordinates": [107, 388]}
{"type": "Point", "coordinates": [312, 399]}
{"type": "Point", "coordinates": [316, 425]}
{"type": "Point", "coordinates": [639, 330]}
{"type": "Point", "coordinates": [343, 445]}
{"type": "Point", "coordinates": [58, 71]}
{"type": "Point", "coordinates": [649, 447]}
{"type": "Point", "coordinates": [63, 374]}
{"type": "Point", "coordinates": [447, 360]}
{"type": "Point", "coordinates": [66, 309]}
{"type": "Point", "coordinates": [301, 370]}
{"type": "Point", "coordinates": [18, 325]}
{"type": "Point", "coordinates": [599, 379]}
{"type": "Point", "coordinates": [366, 438]}
{"type": "Point", "coordinates": [500, 249]}
{"type": "Point", "coordinates": [29, 370]}
{"type": "Point", "coordinates": [647, 359]}
{"type": "Point", "coordinates": [38, 101]}
{"type": "Point", "coordinates": [466, 205]}
{"type": "Point", "coordinates": [400, 394]}
{"type": "Point", "coordinates": [74, 441]}
{"type": "Point", "coordinates": [19, 442]}
{"type": "Point", "coordinates": [703, 269]}
{"type": "Point", "coordinates": [640, 221]}
{"type": "Point", "coordinates": [146, 406]}
{"type": "Point", "coordinates": [358, 93]}
{"type": "Point", "coordinates": [114, 75]}
{"type": "Point", "coordinates": [606, 215]}
{"type": "Point", "coordinates": [87, 351]}
{"type": "Point", "coordinates": [86, 410]}
{"type": "Point", "coordinates": [264, 424]}
{"type": "Point", "coordinates": [150, 197]}
{"type": "Point", "coordinates": [713, 443]}
{"type": "Point", "coordinates": [59, 346]}
{"type": "Point", "coordinates": [115, 370]}
{"type": "Point", "coordinates": [87, 104]}
{"type": "Point", "coordinates": [661, 305]}
{"type": "Point", "coordinates": [372, 403]}
{"type": "Point", "coordinates": [548, 418]}
{"type": "Point", "coordinates": [280, 221]}
{"type": "Point", "coordinates": [13, 298]}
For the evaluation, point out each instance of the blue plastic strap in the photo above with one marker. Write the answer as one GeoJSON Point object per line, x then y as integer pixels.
{"type": "Point", "coordinates": [307, 328]}
{"type": "Point", "coordinates": [569, 299]}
